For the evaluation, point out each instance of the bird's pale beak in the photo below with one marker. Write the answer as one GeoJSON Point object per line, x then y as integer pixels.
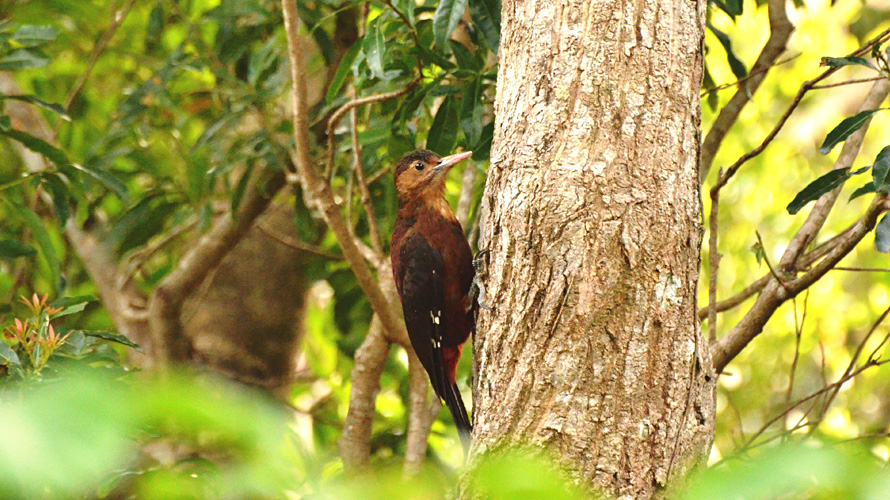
{"type": "Point", "coordinates": [449, 161]}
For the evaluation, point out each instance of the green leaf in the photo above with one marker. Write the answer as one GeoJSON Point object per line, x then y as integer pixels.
{"type": "Point", "coordinates": [867, 188]}
{"type": "Point", "coordinates": [8, 356]}
{"type": "Point", "coordinates": [58, 190]}
{"type": "Point", "coordinates": [443, 131]}
{"type": "Point", "coordinates": [23, 59]}
{"type": "Point", "coordinates": [373, 45]}
{"type": "Point", "coordinates": [818, 187]}
{"type": "Point", "coordinates": [465, 59]}
{"type": "Point", "coordinates": [110, 336]}
{"type": "Point", "coordinates": [471, 111]}
{"type": "Point", "coordinates": [38, 229]}
{"type": "Point", "coordinates": [882, 234]}
{"type": "Point", "coordinates": [447, 15]}
{"type": "Point", "coordinates": [738, 68]}
{"type": "Point", "coordinates": [55, 108]}
{"type": "Point", "coordinates": [845, 128]}
{"type": "Point", "coordinates": [836, 62]}
{"type": "Point", "coordinates": [880, 171]}
{"type": "Point", "coordinates": [12, 249]}
{"type": "Point", "coordinates": [486, 15]}
{"type": "Point", "coordinates": [5, 123]}
{"type": "Point", "coordinates": [107, 179]}
{"type": "Point", "coordinates": [38, 145]}
{"type": "Point", "coordinates": [33, 36]}
{"type": "Point", "coordinates": [262, 62]}
{"type": "Point", "coordinates": [342, 72]}
{"type": "Point", "coordinates": [76, 308]}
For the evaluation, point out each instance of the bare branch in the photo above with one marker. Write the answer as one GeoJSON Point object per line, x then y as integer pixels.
{"type": "Point", "coordinates": [780, 32]}
{"type": "Point", "coordinates": [737, 299]}
{"type": "Point", "coordinates": [316, 189]}
{"type": "Point", "coordinates": [848, 82]}
{"type": "Point", "coordinates": [373, 228]}
{"type": "Point", "coordinates": [465, 202]}
{"type": "Point", "coordinates": [713, 265]}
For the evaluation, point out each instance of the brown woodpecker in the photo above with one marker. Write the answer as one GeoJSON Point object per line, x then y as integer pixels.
{"type": "Point", "coordinates": [433, 268]}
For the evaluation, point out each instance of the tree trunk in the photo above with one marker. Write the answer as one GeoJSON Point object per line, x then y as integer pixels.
{"type": "Point", "coordinates": [593, 220]}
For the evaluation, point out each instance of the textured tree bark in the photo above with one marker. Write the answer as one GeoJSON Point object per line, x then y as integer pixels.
{"type": "Point", "coordinates": [593, 220]}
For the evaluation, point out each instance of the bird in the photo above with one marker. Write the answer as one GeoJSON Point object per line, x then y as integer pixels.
{"type": "Point", "coordinates": [432, 265]}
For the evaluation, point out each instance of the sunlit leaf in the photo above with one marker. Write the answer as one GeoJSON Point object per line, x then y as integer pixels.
{"type": "Point", "coordinates": [38, 230]}
{"type": "Point", "coordinates": [486, 15]}
{"type": "Point", "coordinates": [845, 128]}
{"type": "Point", "coordinates": [471, 112]}
{"type": "Point", "coordinates": [38, 145]}
{"type": "Point", "coordinates": [33, 36]}
{"type": "Point", "coordinates": [107, 179]}
{"type": "Point", "coordinates": [863, 190]}
{"type": "Point", "coordinates": [110, 336]}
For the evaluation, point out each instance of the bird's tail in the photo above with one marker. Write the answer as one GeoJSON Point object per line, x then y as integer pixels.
{"type": "Point", "coordinates": [455, 404]}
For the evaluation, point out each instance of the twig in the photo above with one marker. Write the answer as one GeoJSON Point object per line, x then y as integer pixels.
{"type": "Point", "coordinates": [798, 332]}
{"type": "Point", "coordinates": [750, 75]}
{"type": "Point", "coordinates": [780, 32]}
{"type": "Point", "coordinates": [373, 228]}
{"type": "Point", "coordinates": [296, 244]}
{"type": "Point", "coordinates": [116, 19]}
{"type": "Point", "coordinates": [337, 115]}
{"type": "Point", "coordinates": [863, 269]}
{"type": "Point", "coordinates": [848, 82]}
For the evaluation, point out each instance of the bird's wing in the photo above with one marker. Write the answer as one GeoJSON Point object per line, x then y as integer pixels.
{"type": "Point", "coordinates": [423, 301]}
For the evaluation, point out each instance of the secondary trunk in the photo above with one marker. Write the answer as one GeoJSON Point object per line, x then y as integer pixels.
{"type": "Point", "coordinates": [592, 217]}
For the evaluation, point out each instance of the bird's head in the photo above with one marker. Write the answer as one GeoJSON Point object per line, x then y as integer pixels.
{"type": "Point", "coordinates": [422, 173]}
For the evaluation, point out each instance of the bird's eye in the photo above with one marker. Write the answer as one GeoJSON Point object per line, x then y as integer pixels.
{"type": "Point", "coordinates": [419, 166]}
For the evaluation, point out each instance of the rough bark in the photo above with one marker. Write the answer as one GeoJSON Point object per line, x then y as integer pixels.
{"type": "Point", "coordinates": [592, 217]}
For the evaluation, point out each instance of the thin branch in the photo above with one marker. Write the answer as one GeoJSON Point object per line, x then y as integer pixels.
{"type": "Point", "coordinates": [780, 32]}
{"type": "Point", "coordinates": [848, 82]}
{"type": "Point", "coordinates": [289, 241]}
{"type": "Point", "coordinates": [317, 190]}
{"type": "Point", "coordinates": [116, 19]}
{"type": "Point", "coordinates": [863, 269]}
{"type": "Point", "coordinates": [373, 228]}
{"type": "Point", "coordinates": [337, 115]}
{"type": "Point", "coordinates": [750, 75]}
{"type": "Point", "coordinates": [737, 299]}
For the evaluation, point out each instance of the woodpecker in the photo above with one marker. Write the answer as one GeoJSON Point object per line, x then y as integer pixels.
{"type": "Point", "coordinates": [433, 269]}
